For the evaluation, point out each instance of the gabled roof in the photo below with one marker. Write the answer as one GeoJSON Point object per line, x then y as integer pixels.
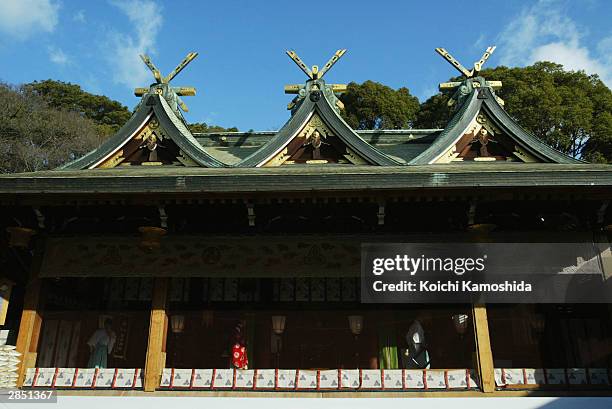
{"type": "Point", "coordinates": [151, 106]}
{"type": "Point", "coordinates": [316, 133]}
{"type": "Point", "coordinates": [231, 147]}
{"type": "Point", "coordinates": [482, 101]}
{"type": "Point", "coordinates": [316, 101]}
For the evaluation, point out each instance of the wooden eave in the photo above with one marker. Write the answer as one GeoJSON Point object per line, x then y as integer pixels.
{"type": "Point", "coordinates": [307, 179]}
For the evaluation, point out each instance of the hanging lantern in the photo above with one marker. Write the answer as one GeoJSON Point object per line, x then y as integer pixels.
{"type": "Point", "coordinates": [208, 317]}
{"type": "Point", "coordinates": [20, 236]}
{"type": "Point", "coordinates": [460, 321]}
{"type": "Point", "coordinates": [278, 324]}
{"type": "Point", "coordinates": [177, 322]}
{"type": "Point", "coordinates": [151, 237]}
{"type": "Point", "coordinates": [355, 324]}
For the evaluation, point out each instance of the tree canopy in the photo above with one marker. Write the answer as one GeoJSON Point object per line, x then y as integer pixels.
{"type": "Point", "coordinates": [569, 110]}
{"type": "Point", "coordinates": [108, 114]}
{"type": "Point", "coordinates": [45, 124]}
{"type": "Point", "coordinates": [372, 105]}
{"type": "Point", "coordinates": [36, 136]}
{"type": "Point", "coordinates": [203, 127]}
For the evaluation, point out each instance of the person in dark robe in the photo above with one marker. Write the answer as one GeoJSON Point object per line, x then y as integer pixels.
{"type": "Point", "coordinates": [415, 356]}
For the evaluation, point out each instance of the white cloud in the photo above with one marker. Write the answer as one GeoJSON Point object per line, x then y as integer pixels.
{"type": "Point", "coordinates": [479, 44]}
{"type": "Point", "coordinates": [79, 16]}
{"type": "Point", "coordinates": [57, 56]}
{"type": "Point", "coordinates": [22, 18]}
{"type": "Point", "coordinates": [604, 48]}
{"type": "Point", "coordinates": [427, 92]}
{"type": "Point", "coordinates": [543, 32]}
{"type": "Point", "coordinates": [145, 16]}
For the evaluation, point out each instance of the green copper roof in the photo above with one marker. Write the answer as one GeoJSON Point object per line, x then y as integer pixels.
{"type": "Point", "coordinates": [233, 147]}
{"type": "Point", "coordinates": [151, 104]}
{"type": "Point", "coordinates": [320, 178]}
{"type": "Point", "coordinates": [320, 105]}
{"type": "Point", "coordinates": [483, 99]}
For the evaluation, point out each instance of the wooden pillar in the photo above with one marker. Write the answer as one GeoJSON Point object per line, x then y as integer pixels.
{"type": "Point", "coordinates": [29, 329]}
{"type": "Point", "coordinates": [484, 355]}
{"type": "Point", "coordinates": [31, 319]}
{"type": "Point", "coordinates": [6, 287]}
{"type": "Point", "coordinates": [157, 336]}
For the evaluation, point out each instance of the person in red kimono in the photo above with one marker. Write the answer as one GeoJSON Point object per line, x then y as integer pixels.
{"type": "Point", "coordinates": [239, 352]}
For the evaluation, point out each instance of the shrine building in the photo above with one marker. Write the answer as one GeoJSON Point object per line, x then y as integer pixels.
{"type": "Point", "coordinates": [182, 244]}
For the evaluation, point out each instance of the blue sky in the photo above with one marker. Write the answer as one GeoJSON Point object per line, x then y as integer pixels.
{"type": "Point", "coordinates": [242, 68]}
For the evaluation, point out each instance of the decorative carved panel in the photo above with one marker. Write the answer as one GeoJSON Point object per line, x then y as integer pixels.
{"type": "Point", "coordinates": [149, 146]}
{"type": "Point", "coordinates": [483, 141]}
{"type": "Point", "coordinates": [316, 143]}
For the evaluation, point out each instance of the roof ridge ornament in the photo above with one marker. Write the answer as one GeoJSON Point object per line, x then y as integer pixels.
{"type": "Point", "coordinates": [315, 83]}
{"type": "Point", "coordinates": [314, 72]}
{"type": "Point", "coordinates": [472, 78]}
{"type": "Point", "coordinates": [477, 65]}
{"type": "Point", "coordinates": [162, 87]}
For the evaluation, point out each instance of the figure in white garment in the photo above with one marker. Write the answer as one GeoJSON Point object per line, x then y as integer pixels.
{"type": "Point", "coordinates": [101, 345]}
{"type": "Point", "coordinates": [416, 355]}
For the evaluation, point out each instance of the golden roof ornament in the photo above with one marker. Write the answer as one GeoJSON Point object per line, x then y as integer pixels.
{"type": "Point", "coordinates": [315, 84]}
{"type": "Point", "coordinates": [472, 78]}
{"type": "Point", "coordinates": [162, 87]}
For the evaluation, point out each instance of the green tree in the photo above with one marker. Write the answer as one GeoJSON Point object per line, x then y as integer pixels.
{"type": "Point", "coordinates": [569, 110]}
{"type": "Point", "coordinates": [203, 127]}
{"type": "Point", "coordinates": [372, 105]}
{"type": "Point", "coordinates": [110, 115]}
{"type": "Point", "coordinates": [36, 136]}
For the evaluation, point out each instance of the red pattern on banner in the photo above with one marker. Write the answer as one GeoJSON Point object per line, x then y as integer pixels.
{"type": "Point", "coordinates": [114, 378]}
{"type": "Point", "coordinates": [54, 377]}
{"type": "Point", "coordinates": [214, 375]}
{"type": "Point", "coordinates": [35, 379]}
{"type": "Point", "coordinates": [136, 373]}
{"type": "Point", "coordinates": [95, 378]}
{"type": "Point", "coordinates": [76, 373]}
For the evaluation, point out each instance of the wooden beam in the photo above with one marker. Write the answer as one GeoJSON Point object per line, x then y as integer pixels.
{"type": "Point", "coordinates": [157, 336]}
{"type": "Point", "coordinates": [484, 355]}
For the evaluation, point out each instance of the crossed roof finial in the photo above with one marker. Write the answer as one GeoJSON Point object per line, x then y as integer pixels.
{"type": "Point", "coordinates": [477, 65]}
{"type": "Point", "coordinates": [172, 94]}
{"type": "Point", "coordinates": [468, 74]}
{"type": "Point", "coordinates": [314, 73]}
